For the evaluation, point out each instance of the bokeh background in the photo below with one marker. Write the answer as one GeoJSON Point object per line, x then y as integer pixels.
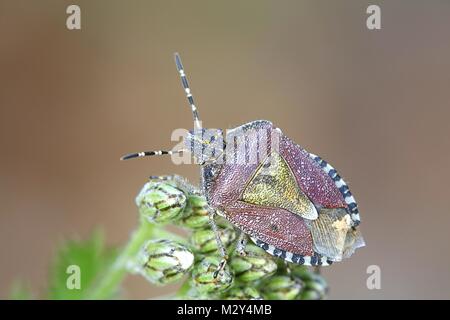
{"type": "Point", "coordinates": [375, 104]}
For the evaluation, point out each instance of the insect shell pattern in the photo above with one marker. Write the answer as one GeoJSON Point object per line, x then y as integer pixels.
{"type": "Point", "coordinates": [290, 202]}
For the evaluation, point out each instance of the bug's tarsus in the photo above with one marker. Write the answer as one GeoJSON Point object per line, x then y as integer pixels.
{"type": "Point", "coordinates": [149, 154]}
{"type": "Point", "coordinates": [221, 266]}
{"type": "Point", "coordinates": [187, 90]}
{"type": "Point", "coordinates": [241, 244]}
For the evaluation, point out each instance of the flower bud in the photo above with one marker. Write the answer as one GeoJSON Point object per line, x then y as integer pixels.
{"type": "Point", "coordinates": [314, 285]}
{"type": "Point", "coordinates": [164, 261]}
{"type": "Point", "coordinates": [204, 240]}
{"type": "Point", "coordinates": [203, 276]}
{"type": "Point", "coordinates": [160, 202]}
{"type": "Point", "coordinates": [318, 284]}
{"type": "Point", "coordinates": [300, 271]}
{"type": "Point", "coordinates": [309, 295]}
{"type": "Point", "coordinates": [255, 265]}
{"type": "Point", "coordinates": [195, 214]}
{"type": "Point", "coordinates": [280, 288]}
{"type": "Point", "coordinates": [242, 293]}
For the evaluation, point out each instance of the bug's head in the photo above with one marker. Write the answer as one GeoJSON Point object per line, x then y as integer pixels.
{"type": "Point", "coordinates": [206, 145]}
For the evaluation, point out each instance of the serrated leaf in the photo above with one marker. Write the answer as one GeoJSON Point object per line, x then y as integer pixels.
{"type": "Point", "coordinates": [76, 267]}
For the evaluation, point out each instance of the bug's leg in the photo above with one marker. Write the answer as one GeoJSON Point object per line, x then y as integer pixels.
{"type": "Point", "coordinates": [180, 182]}
{"type": "Point", "coordinates": [241, 244]}
{"type": "Point", "coordinates": [317, 270]}
{"type": "Point", "coordinates": [160, 178]}
{"type": "Point", "coordinates": [212, 213]}
{"type": "Point", "coordinates": [186, 185]}
{"type": "Point", "coordinates": [288, 268]}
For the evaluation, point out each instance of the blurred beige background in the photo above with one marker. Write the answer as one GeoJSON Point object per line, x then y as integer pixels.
{"type": "Point", "coordinates": [375, 104]}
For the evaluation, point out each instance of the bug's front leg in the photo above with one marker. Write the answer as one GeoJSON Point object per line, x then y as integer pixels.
{"type": "Point", "coordinates": [212, 213]}
{"type": "Point", "coordinates": [179, 182]}
{"type": "Point", "coordinates": [317, 270]}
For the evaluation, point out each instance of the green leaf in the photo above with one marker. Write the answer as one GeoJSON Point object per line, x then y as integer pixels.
{"type": "Point", "coordinates": [77, 266]}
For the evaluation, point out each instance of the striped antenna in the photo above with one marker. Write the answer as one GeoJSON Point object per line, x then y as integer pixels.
{"type": "Point", "coordinates": [150, 153]}
{"type": "Point", "coordinates": [187, 89]}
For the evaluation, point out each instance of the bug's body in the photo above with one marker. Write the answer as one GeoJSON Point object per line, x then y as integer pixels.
{"type": "Point", "coordinates": [291, 203]}
{"type": "Point", "coordinates": [271, 199]}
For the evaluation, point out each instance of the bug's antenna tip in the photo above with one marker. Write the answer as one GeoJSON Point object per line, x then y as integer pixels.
{"type": "Point", "coordinates": [178, 61]}
{"type": "Point", "coordinates": [127, 156]}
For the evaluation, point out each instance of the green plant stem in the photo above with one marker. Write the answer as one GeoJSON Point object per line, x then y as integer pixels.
{"type": "Point", "coordinates": [185, 291]}
{"type": "Point", "coordinates": [109, 283]}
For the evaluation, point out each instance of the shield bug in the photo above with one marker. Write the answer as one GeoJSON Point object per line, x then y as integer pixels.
{"type": "Point", "coordinates": [289, 202]}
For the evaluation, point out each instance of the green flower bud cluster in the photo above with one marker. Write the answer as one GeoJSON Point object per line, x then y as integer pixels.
{"type": "Point", "coordinates": [294, 282]}
{"type": "Point", "coordinates": [242, 292]}
{"type": "Point", "coordinates": [255, 265]}
{"type": "Point", "coordinates": [253, 275]}
{"type": "Point", "coordinates": [281, 287]}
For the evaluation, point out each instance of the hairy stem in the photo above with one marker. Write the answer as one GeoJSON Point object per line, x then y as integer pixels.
{"type": "Point", "coordinates": [109, 283]}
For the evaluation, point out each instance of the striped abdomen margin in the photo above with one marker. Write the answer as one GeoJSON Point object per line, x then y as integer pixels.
{"type": "Point", "coordinates": [341, 185]}
{"type": "Point", "coordinates": [315, 260]}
